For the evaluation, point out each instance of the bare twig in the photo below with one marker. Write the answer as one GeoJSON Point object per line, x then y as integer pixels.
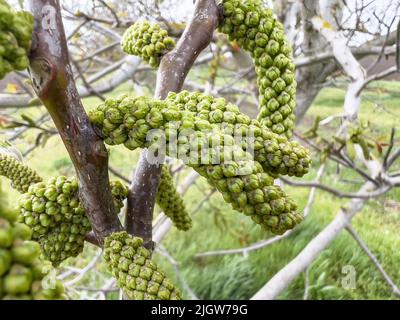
{"type": "Point", "coordinates": [374, 259]}
{"type": "Point", "coordinates": [163, 251]}
{"type": "Point", "coordinates": [85, 270]}
{"type": "Point", "coordinates": [337, 193]}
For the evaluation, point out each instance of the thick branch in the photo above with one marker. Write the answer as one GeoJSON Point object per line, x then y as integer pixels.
{"type": "Point", "coordinates": [288, 273]}
{"type": "Point", "coordinates": [54, 84]}
{"type": "Point", "coordinates": [171, 75]}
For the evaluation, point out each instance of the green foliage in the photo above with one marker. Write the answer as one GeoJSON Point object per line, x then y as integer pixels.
{"type": "Point", "coordinates": [15, 39]}
{"type": "Point", "coordinates": [136, 273]}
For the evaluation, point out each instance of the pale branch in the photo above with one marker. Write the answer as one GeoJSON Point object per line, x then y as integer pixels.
{"type": "Point", "coordinates": [350, 65]}
{"type": "Point", "coordinates": [164, 252]}
{"type": "Point", "coordinates": [171, 75]}
{"type": "Point", "coordinates": [378, 76]}
{"type": "Point", "coordinates": [99, 51]}
{"type": "Point", "coordinates": [113, 13]}
{"type": "Point", "coordinates": [127, 68]}
{"type": "Point", "coordinates": [337, 193]}
{"type": "Point", "coordinates": [54, 84]}
{"type": "Point", "coordinates": [287, 274]}
{"type": "Point", "coordinates": [357, 76]}
{"type": "Point", "coordinates": [395, 289]}
{"type": "Point", "coordinates": [245, 251]}
{"type": "Point", "coordinates": [307, 284]}
{"type": "Point", "coordinates": [92, 263]}
{"type": "Point", "coordinates": [313, 191]}
{"type": "Point", "coordinates": [393, 157]}
{"type": "Point", "coordinates": [359, 52]}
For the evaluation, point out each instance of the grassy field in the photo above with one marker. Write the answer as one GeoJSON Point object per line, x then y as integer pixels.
{"type": "Point", "coordinates": [217, 226]}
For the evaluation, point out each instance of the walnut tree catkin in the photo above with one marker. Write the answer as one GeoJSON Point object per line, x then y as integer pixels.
{"type": "Point", "coordinates": [147, 41]}
{"type": "Point", "coordinates": [256, 30]}
{"type": "Point", "coordinates": [137, 275]}
{"type": "Point", "coordinates": [21, 269]}
{"type": "Point", "coordinates": [171, 202]}
{"type": "Point", "coordinates": [276, 154]}
{"type": "Point", "coordinates": [57, 218]}
{"type": "Point", "coordinates": [15, 39]}
{"type": "Point", "coordinates": [214, 155]}
{"type": "Point", "coordinates": [53, 209]}
{"type": "Point", "coordinates": [20, 175]}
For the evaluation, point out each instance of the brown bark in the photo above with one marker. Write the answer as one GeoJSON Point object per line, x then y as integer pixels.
{"type": "Point", "coordinates": [54, 84]}
{"type": "Point", "coordinates": [172, 72]}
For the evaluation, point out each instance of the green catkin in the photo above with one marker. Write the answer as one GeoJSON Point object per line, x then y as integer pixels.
{"type": "Point", "coordinates": [276, 154]}
{"type": "Point", "coordinates": [21, 269]}
{"type": "Point", "coordinates": [53, 209]}
{"type": "Point", "coordinates": [137, 275]}
{"type": "Point", "coordinates": [57, 218]}
{"type": "Point", "coordinates": [256, 30]}
{"type": "Point", "coordinates": [171, 202]}
{"type": "Point", "coordinates": [147, 41]}
{"type": "Point", "coordinates": [15, 39]}
{"type": "Point", "coordinates": [20, 175]}
{"type": "Point", "coordinates": [242, 181]}
{"type": "Point", "coordinates": [119, 192]}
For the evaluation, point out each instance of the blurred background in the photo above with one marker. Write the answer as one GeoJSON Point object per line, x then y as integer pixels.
{"type": "Point", "coordinates": [225, 255]}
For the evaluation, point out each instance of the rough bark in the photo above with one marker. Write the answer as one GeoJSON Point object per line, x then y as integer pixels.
{"type": "Point", "coordinates": [54, 84]}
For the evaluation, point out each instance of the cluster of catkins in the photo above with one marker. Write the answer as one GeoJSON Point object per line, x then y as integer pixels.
{"type": "Point", "coordinates": [256, 30]}
{"type": "Point", "coordinates": [21, 269]}
{"type": "Point", "coordinates": [15, 39]}
{"type": "Point", "coordinates": [276, 154]}
{"type": "Point", "coordinates": [170, 201]}
{"type": "Point", "coordinates": [148, 41]}
{"type": "Point", "coordinates": [138, 276]}
{"type": "Point", "coordinates": [57, 218]}
{"type": "Point", "coordinates": [53, 209]}
{"type": "Point", "coordinates": [211, 152]}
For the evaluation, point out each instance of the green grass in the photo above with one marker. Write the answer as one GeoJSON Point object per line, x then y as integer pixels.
{"type": "Point", "coordinates": [217, 226]}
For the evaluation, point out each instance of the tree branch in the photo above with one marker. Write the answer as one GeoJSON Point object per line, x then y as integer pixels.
{"type": "Point", "coordinates": [288, 273]}
{"type": "Point", "coordinates": [54, 84]}
{"type": "Point", "coordinates": [374, 259]}
{"type": "Point", "coordinates": [172, 72]}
